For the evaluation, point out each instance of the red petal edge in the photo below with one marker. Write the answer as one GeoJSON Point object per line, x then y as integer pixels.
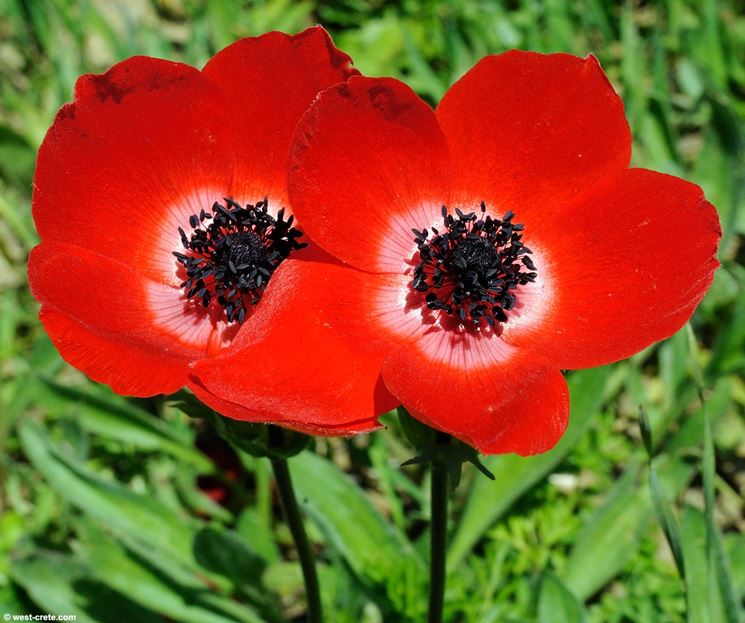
{"type": "Point", "coordinates": [368, 164]}
{"type": "Point", "coordinates": [292, 366]}
{"type": "Point", "coordinates": [96, 312]}
{"type": "Point", "coordinates": [142, 147]}
{"type": "Point", "coordinates": [624, 266]}
{"type": "Point", "coordinates": [527, 129]}
{"type": "Point", "coordinates": [269, 82]}
{"type": "Point", "coordinates": [127, 368]}
{"type": "Point", "coordinates": [492, 396]}
{"type": "Point", "coordinates": [240, 412]}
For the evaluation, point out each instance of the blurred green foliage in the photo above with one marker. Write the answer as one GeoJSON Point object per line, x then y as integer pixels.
{"type": "Point", "coordinates": [115, 509]}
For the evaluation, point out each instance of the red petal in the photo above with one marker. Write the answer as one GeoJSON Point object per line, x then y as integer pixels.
{"type": "Point", "coordinates": [368, 164]}
{"type": "Point", "coordinates": [525, 129]}
{"type": "Point", "coordinates": [107, 295]}
{"type": "Point", "coordinates": [494, 397]}
{"type": "Point", "coordinates": [290, 366]}
{"type": "Point", "coordinates": [96, 311]}
{"type": "Point", "coordinates": [239, 412]}
{"type": "Point", "coordinates": [269, 82]}
{"type": "Point", "coordinates": [127, 367]}
{"type": "Point", "coordinates": [621, 268]}
{"type": "Point", "coordinates": [143, 146]}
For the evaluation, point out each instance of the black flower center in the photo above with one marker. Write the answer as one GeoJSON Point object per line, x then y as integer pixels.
{"type": "Point", "coordinates": [232, 253]}
{"type": "Point", "coordinates": [472, 269]}
{"type": "Point", "coordinates": [242, 249]}
{"type": "Point", "coordinates": [474, 254]}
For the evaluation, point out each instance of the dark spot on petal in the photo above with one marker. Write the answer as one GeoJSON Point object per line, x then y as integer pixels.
{"type": "Point", "coordinates": [384, 101]}
{"type": "Point", "coordinates": [106, 88]}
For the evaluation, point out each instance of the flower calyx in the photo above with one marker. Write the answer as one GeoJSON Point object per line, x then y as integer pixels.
{"type": "Point", "coordinates": [436, 447]}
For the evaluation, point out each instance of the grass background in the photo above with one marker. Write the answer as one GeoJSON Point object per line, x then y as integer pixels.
{"type": "Point", "coordinates": [115, 509]}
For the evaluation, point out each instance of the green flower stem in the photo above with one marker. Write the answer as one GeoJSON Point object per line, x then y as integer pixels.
{"type": "Point", "coordinates": [304, 551]}
{"type": "Point", "coordinates": [438, 536]}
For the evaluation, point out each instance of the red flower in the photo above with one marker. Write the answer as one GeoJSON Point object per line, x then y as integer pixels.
{"type": "Point", "coordinates": [552, 254]}
{"type": "Point", "coordinates": [155, 157]}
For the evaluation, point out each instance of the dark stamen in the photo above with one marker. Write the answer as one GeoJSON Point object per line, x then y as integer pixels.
{"type": "Point", "coordinates": [233, 256]}
{"type": "Point", "coordinates": [472, 268]}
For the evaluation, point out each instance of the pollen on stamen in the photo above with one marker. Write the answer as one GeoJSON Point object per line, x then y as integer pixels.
{"type": "Point", "coordinates": [232, 252]}
{"type": "Point", "coordinates": [473, 268]}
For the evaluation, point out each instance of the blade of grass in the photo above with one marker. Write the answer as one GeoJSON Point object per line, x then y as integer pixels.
{"type": "Point", "coordinates": [719, 579]}
{"type": "Point", "coordinates": [557, 604]}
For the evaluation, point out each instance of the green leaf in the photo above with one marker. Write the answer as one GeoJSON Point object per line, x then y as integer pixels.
{"type": "Point", "coordinates": [710, 41]}
{"type": "Point", "coordinates": [10, 598]}
{"type": "Point", "coordinates": [693, 539]}
{"type": "Point", "coordinates": [661, 505]}
{"type": "Point", "coordinates": [514, 475]}
{"type": "Point", "coordinates": [611, 534]}
{"type": "Point", "coordinates": [253, 529]}
{"type": "Point", "coordinates": [48, 578]}
{"type": "Point", "coordinates": [16, 156]}
{"type": "Point", "coordinates": [378, 555]}
{"type": "Point", "coordinates": [110, 416]}
{"type": "Point", "coordinates": [140, 516]}
{"type": "Point", "coordinates": [556, 604]}
{"type": "Point", "coordinates": [183, 597]}
{"type": "Point", "coordinates": [633, 65]}
{"type": "Point", "coordinates": [559, 25]}
{"type": "Point", "coordinates": [719, 576]}
{"type": "Point", "coordinates": [609, 537]}
{"type": "Point", "coordinates": [735, 546]}
{"type": "Point", "coordinates": [226, 553]}
{"type": "Point", "coordinates": [705, 599]}
{"type": "Point", "coordinates": [60, 584]}
{"type": "Point", "coordinates": [667, 521]}
{"type": "Point", "coordinates": [646, 432]}
{"type": "Point", "coordinates": [387, 472]}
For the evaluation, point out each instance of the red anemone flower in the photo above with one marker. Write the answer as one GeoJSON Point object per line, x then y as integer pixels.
{"type": "Point", "coordinates": [161, 202]}
{"type": "Point", "coordinates": [491, 243]}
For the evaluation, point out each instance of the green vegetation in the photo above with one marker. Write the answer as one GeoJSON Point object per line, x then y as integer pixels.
{"type": "Point", "coordinates": [104, 511]}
